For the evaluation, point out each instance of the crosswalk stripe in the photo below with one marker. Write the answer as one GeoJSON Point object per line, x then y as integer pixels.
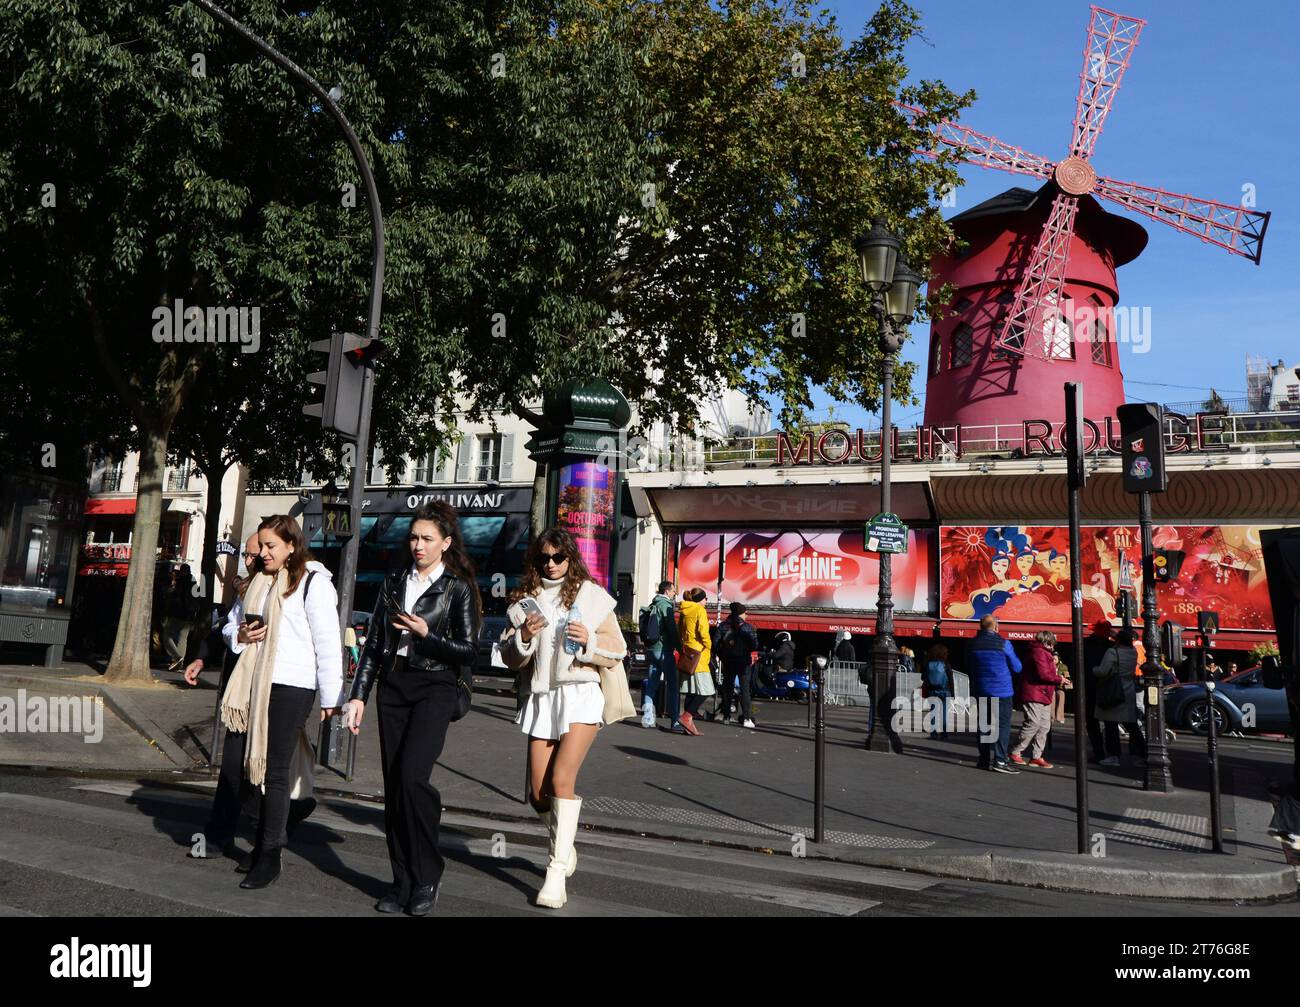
{"type": "Point", "coordinates": [468, 887]}
{"type": "Point", "coordinates": [824, 902]}
{"type": "Point", "coordinates": [176, 884]}
{"type": "Point", "coordinates": [873, 876]}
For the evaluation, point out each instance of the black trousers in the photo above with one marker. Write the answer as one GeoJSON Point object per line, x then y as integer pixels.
{"type": "Point", "coordinates": [231, 795]}
{"type": "Point", "coordinates": [288, 713]}
{"type": "Point", "coordinates": [1137, 744]}
{"type": "Point", "coordinates": [415, 708]}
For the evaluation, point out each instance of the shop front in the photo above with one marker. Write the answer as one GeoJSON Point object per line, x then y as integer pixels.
{"type": "Point", "coordinates": [40, 523]}
{"type": "Point", "coordinates": [494, 522]}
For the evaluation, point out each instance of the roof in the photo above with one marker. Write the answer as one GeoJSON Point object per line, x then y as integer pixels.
{"type": "Point", "coordinates": [1126, 238]}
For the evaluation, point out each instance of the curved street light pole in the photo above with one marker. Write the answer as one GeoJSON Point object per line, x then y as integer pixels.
{"type": "Point", "coordinates": [356, 488]}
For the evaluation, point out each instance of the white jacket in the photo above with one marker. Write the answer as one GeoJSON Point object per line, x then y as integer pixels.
{"type": "Point", "coordinates": [552, 665]}
{"type": "Point", "coordinates": [309, 649]}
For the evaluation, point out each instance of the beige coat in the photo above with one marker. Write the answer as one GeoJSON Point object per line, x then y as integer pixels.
{"type": "Point", "coordinates": [548, 664]}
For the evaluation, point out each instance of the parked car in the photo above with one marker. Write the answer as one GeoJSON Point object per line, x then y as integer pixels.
{"type": "Point", "coordinates": [1186, 705]}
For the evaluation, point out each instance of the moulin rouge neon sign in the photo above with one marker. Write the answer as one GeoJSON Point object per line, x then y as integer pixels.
{"type": "Point", "coordinates": [1202, 432]}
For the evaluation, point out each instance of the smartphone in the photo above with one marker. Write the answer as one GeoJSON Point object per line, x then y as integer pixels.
{"type": "Point", "coordinates": [393, 605]}
{"type": "Point", "coordinates": [252, 619]}
{"type": "Point", "coordinates": [530, 607]}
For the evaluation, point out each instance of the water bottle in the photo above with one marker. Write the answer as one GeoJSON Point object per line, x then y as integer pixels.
{"type": "Point", "coordinates": [572, 646]}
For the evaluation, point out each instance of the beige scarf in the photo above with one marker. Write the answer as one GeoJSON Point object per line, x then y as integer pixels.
{"type": "Point", "coordinates": [248, 694]}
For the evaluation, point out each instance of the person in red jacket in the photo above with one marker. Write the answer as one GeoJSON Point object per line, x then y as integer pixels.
{"type": "Point", "coordinates": [1037, 694]}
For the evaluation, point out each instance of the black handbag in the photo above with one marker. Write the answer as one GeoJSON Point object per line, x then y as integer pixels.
{"type": "Point", "coordinates": [464, 676]}
{"type": "Point", "coordinates": [1110, 691]}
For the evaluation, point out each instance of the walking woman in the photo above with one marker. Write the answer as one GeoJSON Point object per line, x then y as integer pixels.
{"type": "Point", "coordinates": [422, 642]}
{"type": "Point", "coordinates": [563, 630]}
{"type": "Point", "coordinates": [289, 652]}
{"type": "Point", "coordinates": [1038, 685]}
{"type": "Point", "coordinates": [694, 656]}
{"type": "Point", "coordinates": [1117, 698]}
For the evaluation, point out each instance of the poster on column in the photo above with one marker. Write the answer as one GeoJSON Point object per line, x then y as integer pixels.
{"type": "Point", "coordinates": [1022, 573]}
{"type": "Point", "coordinates": [585, 509]}
{"type": "Point", "coordinates": [807, 569]}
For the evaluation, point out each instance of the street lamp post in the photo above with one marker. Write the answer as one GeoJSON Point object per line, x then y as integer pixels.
{"type": "Point", "coordinates": [893, 285]}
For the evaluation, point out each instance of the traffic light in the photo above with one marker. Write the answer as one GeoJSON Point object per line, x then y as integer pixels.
{"type": "Point", "coordinates": [1167, 563]}
{"type": "Point", "coordinates": [1143, 442]}
{"type": "Point", "coordinates": [1207, 623]}
{"type": "Point", "coordinates": [1171, 642]}
{"type": "Point", "coordinates": [1124, 605]}
{"type": "Point", "coordinates": [343, 380]}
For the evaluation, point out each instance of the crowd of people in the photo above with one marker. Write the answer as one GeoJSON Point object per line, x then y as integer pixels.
{"type": "Point", "coordinates": [280, 651]}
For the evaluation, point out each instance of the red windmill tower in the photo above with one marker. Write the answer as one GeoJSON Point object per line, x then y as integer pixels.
{"type": "Point", "coordinates": [1011, 343]}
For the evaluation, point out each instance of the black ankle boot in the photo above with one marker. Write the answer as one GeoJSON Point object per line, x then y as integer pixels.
{"type": "Point", "coordinates": [264, 872]}
{"type": "Point", "coordinates": [248, 861]}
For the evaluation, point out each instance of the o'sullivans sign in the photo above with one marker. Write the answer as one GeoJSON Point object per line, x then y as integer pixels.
{"type": "Point", "coordinates": [1204, 432]}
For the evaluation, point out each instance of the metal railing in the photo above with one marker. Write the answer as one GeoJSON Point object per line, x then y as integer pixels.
{"type": "Point", "coordinates": [1276, 431]}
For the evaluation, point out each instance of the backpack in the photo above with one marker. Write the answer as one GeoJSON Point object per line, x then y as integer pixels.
{"type": "Point", "coordinates": [650, 625]}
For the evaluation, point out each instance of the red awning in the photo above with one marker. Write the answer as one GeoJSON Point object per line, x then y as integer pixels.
{"type": "Point", "coordinates": [110, 505]}
{"type": "Point", "coordinates": [831, 622]}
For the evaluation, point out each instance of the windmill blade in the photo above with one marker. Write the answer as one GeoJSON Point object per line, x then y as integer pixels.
{"type": "Point", "coordinates": [1111, 38]}
{"type": "Point", "coordinates": [979, 148]}
{"type": "Point", "coordinates": [1232, 227]}
{"type": "Point", "coordinates": [1038, 325]}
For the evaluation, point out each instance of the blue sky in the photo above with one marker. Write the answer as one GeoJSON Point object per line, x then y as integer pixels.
{"type": "Point", "coordinates": [1207, 106]}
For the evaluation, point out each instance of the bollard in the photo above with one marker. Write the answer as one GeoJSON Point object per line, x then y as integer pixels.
{"type": "Point", "coordinates": [1216, 834]}
{"type": "Point", "coordinates": [818, 669]}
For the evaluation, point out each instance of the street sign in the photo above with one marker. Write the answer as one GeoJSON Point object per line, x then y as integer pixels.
{"type": "Point", "coordinates": [337, 519]}
{"type": "Point", "coordinates": [227, 549]}
{"type": "Point", "coordinates": [885, 533]}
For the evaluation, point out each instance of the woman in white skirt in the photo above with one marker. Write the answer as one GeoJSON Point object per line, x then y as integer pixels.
{"type": "Point", "coordinates": [562, 631]}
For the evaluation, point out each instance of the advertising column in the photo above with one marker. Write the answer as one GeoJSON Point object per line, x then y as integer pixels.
{"type": "Point", "coordinates": [586, 498]}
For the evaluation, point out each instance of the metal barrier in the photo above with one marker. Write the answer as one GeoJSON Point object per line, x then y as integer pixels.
{"type": "Point", "coordinates": [843, 687]}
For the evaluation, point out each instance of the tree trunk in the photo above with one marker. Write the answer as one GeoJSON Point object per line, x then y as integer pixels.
{"type": "Point", "coordinates": [537, 514]}
{"type": "Point", "coordinates": [214, 475]}
{"type": "Point", "coordinates": [130, 661]}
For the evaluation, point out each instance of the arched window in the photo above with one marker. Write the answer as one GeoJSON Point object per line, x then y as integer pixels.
{"type": "Point", "coordinates": [1096, 332]}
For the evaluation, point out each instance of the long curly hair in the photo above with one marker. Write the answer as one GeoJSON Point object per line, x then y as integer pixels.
{"type": "Point", "coordinates": [455, 559]}
{"type": "Point", "coordinates": [531, 581]}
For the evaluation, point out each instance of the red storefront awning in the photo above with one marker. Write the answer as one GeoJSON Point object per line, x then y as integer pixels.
{"type": "Point", "coordinates": [831, 622]}
{"type": "Point", "coordinates": [113, 505]}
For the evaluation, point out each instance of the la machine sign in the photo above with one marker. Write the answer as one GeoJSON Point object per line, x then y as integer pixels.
{"type": "Point", "coordinates": [1203, 432]}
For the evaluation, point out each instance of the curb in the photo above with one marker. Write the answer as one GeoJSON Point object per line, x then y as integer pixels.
{"type": "Point", "coordinates": [122, 708]}
{"type": "Point", "coordinates": [1023, 868]}
{"type": "Point", "coordinates": [1206, 881]}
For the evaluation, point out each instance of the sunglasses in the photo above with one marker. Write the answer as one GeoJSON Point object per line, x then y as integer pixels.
{"type": "Point", "coordinates": [546, 558]}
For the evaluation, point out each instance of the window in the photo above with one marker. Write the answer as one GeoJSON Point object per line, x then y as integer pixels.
{"type": "Point", "coordinates": [1293, 393]}
{"type": "Point", "coordinates": [112, 479]}
{"type": "Point", "coordinates": [1096, 333]}
{"type": "Point", "coordinates": [426, 470]}
{"type": "Point", "coordinates": [1059, 338]}
{"type": "Point", "coordinates": [935, 343]}
{"type": "Point", "coordinates": [963, 341]}
{"type": "Point", "coordinates": [488, 465]}
{"type": "Point", "coordinates": [178, 477]}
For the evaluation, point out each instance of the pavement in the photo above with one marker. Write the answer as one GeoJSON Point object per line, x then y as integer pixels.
{"type": "Point", "coordinates": [926, 811]}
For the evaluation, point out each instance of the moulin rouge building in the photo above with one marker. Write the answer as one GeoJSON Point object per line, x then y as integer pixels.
{"type": "Point", "coordinates": [981, 484]}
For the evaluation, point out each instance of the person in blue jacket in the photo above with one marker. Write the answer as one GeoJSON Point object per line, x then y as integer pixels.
{"type": "Point", "coordinates": [991, 662]}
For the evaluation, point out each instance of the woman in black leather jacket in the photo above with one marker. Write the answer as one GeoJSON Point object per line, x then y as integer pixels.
{"type": "Point", "coordinates": [423, 634]}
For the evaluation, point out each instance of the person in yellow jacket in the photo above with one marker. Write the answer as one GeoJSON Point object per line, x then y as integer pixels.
{"type": "Point", "coordinates": [693, 632]}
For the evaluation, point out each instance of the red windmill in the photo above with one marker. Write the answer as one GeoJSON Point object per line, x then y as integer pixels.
{"type": "Point", "coordinates": [1037, 313]}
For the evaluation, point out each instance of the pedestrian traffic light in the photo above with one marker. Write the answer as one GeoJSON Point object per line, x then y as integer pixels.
{"type": "Point", "coordinates": [1124, 605]}
{"type": "Point", "coordinates": [343, 380]}
{"type": "Point", "coordinates": [1143, 443]}
{"type": "Point", "coordinates": [1207, 623]}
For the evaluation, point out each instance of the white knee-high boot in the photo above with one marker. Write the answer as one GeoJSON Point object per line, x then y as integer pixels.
{"type": "Point", "coordinates": [548, 819]}
{"type": "Point", "coordinates": [565, 813]}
